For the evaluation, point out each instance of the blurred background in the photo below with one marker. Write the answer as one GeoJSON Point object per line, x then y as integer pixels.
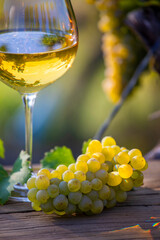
{"type": "Point", "coordinates": [73, 108]}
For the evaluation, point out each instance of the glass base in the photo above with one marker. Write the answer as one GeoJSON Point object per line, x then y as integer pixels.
{"type": "Point", "coordinates": [19, 194]}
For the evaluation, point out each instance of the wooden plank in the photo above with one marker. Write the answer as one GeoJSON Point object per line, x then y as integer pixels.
{"type": "Point", "coordinates": [137, 218]}
{"type": "Point", "coordinates": [110, 221]}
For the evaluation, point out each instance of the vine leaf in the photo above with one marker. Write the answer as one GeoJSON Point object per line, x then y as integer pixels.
{"type": "Point", "coordinates": [4, 183]}
{"type": "Point", "coordinates": [20, 174]}
{"type": "Point", "coordinates": [85, 145]}
{"type": "Point", "coordinates": [1, 149]}
{"type": "Point", "coordinates": [57, 156]}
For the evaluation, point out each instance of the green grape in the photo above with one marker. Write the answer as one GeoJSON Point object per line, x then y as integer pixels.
{"type": "Point", "coordinates": [139, 180]}
{"type": "Point", "coordinates": [105, 167]}
{"type": "Point", "coordinates": [61, 168]}
{"type": "Point", "coordinates": [48, 206]}
{"type": "Point", "coordinates": [42, 182]}
{"type": "Point", "coordinates": [102, 5]}
{"type": "Point", "coordinates": [60, 213]}
{"type": "Point", "coordinates": [110, 166]}
{"type": "Point", "coordinates": [145, 167]}
{"type": "Point", "coordinates": [74, 197]}
{"type": "Point", "coordinates": [90, 176]}
{"type": "Point", "coordinates": [134, 152]}
{"type": "Point", "coordinates": [86, 187]}
{"type": "Point", "coordinates": [114, 162]}
{"type": "Point", "coordinates": [114, 179]}
{"type": "Point", "coordinates": [96, 184]}
{"type": "Point", "coordinates": [125, 171]}
{"type": "Point", "coordinates": [123, 149]}
{"type": "Point", "coordinates": [94, 147]}
{"type": "Point", "coordinates": [72, 167]}
{"type": "Point", "coordinates": [111, 203]}
{"type": "Point", "coordinates": [113, 49]}
{"type": "Point", "coordinates": [135, 174]}
{"type": "Point", "coordinates": [56, 174]}
{"type": "Point", "coordinates": [102, 175]}
{"type": "Point", "coordinates": [121, 196]}
{"type": "Point", "coordinates": [99, 156]}
{"type": "Point", "coordinates": [97, 206]}
{"type": "Point", "coordinates": [116, 148]}
{"type": "Point", "coordinates": [55, 181]}
{"type": "Point", "coordinates": [71, 208]}
{"type": "Point", "coordinates": [112, 194]}
{"type": "Point", "coordinates": [85, 204]}
{"type": "Point", "coordinates": [108, 153]}
{"type": "Point", "coordinates": [108, 141]}
{"type": "Point", "coordinates": [93, 195]}
{"type": "Point", "coordinates": [42, 196]}
{"type": "Point", "coordinates": [90, 1]}
{"type": "Point", "coordinates": [122, 158]}
{"type": "Point", "coordinates": [74, 185]}
{"type": "Point", "coordinates": [83, 157]}
{"type": "Point", "coordinates": [138, 162]}
{"type": "Point", "coordinates": [63, 188]}
{"type": "Point", "coordinates": [60, 202]}
{"type": "Point", "coordinates": [93, 165]}
{"type": "Point", "coordinates": [36, 206]}
{"type": "Point", "coordinates": [104, 193]}
{"type": "Point", "coordinates": [32, 194]}
{"type": "Point", "coordinates": [126, 184]}
{"type": "Point", "coordinates": [44, 171]}
{"type": "Point", "coordinates": [68, 175]}
{"type": "Point", "coordinates": [31, 183]}
{"type": "Point", "coordinates": [81, 176]}
{"type": "Point", "coordinates": [53, 190]}
{"type": "Point", "coordinates": [81, 166]}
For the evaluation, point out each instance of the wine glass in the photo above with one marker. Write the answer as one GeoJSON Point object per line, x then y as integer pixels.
{"type": "Point", "coordinates": [38, 43]}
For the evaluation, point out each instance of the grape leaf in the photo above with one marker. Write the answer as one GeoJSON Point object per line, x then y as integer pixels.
{"type": "Point", "coordinates": [20, 174]}
{"type": "Point", "coordinates": [4, 183]}
{"type": "Point", "coordinates": [85, 145]}
{"type": "Point", "coordinates": [21, 171]}
{"type": "Point", "coordinates": [1, 149]}
{"type": "Point", "coordinates": [57, 156]}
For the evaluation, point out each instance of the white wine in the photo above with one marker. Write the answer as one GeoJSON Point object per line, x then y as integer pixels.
{"type": "Point", "coordinates": [29, 61]}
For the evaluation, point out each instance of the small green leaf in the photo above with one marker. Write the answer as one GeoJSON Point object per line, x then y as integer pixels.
{"type": "Point", "coordinates": [20, 174]}
{"type": "Point", "coordinates": [21, 171]}
{"type": "Point", "coordinates": [1, 149]}
{"type": "Point", "coordinates": [85, 145]}
{"type": "Point", "coordinates": [21, 160]}
{"type": "Point", "coordinates": [4, 183]}
{"type": "Point", "coordinates": [57, 156]}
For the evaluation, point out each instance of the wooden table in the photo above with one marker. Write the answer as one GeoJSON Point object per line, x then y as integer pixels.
{"type": "Point", "coordinates": [137, 218]}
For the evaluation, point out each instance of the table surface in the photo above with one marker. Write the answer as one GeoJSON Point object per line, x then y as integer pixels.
{"type": "Point", "coordinates": [137, 218]}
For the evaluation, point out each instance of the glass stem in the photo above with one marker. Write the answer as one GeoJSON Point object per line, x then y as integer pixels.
{"type": "Point", "coordinates": [28, 101]}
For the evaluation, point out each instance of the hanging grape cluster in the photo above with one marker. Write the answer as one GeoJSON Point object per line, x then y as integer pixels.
{"type": "Point", "coordinates": [99, 178]}
{"type": "Point", "coordinates": [115, 50]}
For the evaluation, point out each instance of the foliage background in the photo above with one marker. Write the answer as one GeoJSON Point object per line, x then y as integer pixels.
{"type": "Point", "coordinates": [72, 109]}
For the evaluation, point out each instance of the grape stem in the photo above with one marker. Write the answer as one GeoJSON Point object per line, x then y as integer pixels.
{"type": "Point", "coordinates": [133, 81]}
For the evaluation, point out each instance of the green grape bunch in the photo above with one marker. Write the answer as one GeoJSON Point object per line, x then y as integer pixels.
{"type": "Point", "coordinates": [121, 50]}
{"type": "Point", "coordinates": [115, 50]}
{"type": "Point", "coordinates": [98, 179]}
